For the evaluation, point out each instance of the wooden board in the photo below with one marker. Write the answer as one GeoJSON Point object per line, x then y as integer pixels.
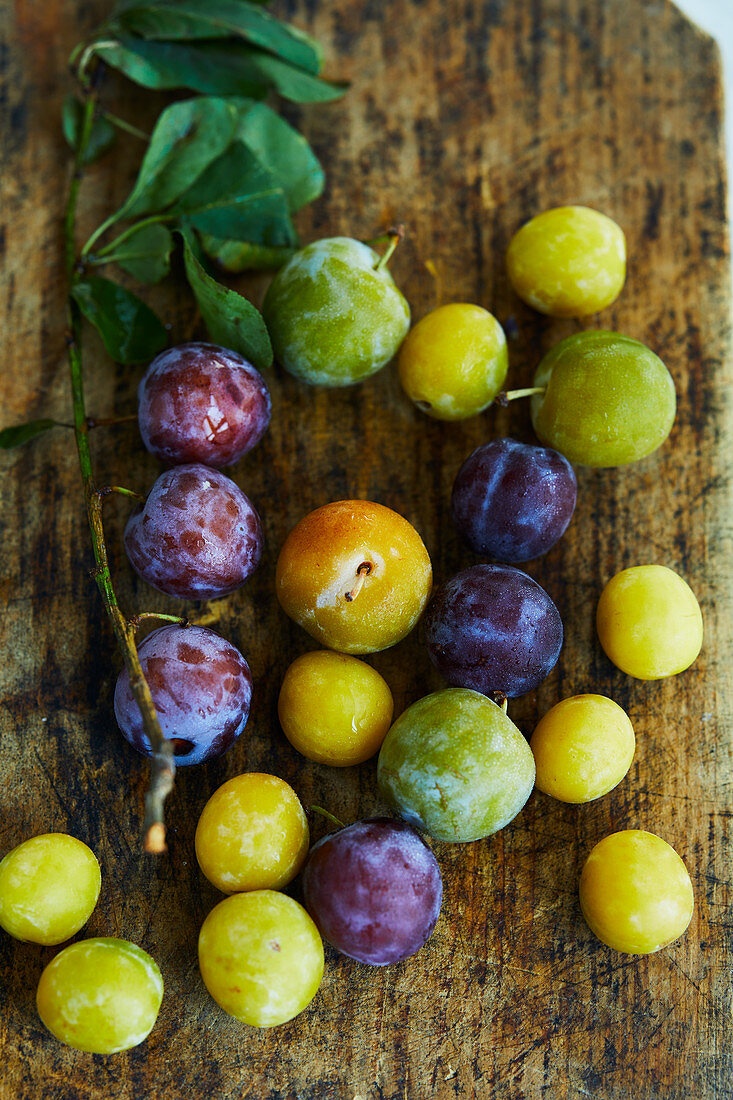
{"type": "Point", "coordinates": [463, 120]}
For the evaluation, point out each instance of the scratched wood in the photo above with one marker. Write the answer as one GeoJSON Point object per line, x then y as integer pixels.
{"type": "Point", "coordinates": [462, 121]}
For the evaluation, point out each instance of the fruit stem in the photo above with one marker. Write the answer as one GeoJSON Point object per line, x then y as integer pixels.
{"type": "Point", "coordinates": [327, 815]}
{"type": "Point", "coordinates": [506, 396]}
{"type": "Point", "coordinates": [394, 235]}
{"type": "Point", "coordinates": [109, 421]}
{"type": "Point", "coordinates": [501, 700]}
{"type": "Point", "coordinates": [361, 575]}
{"type": "Point", "coordinates": [163, 766]}
{"type": "Point", "coordinates": [142, 616]}
{"type": "Point", "coordinates": [107, 489]}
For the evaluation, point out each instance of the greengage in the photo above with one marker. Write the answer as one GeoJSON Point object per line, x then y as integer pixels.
{"type": "Point", "coordinates": [334, 709]}
{"type": "Point", "coordinates": [334, 314]}
{"type": "Point", "coordinates": [649, 622]}
{"type": "Point", "coordinates": [568, 262]}
{"type": "Point", "coordinates": [100, 995]}
{"type": "Point", "coordinates": [261, 957]}
{"type": "Point", "coordinates": [252, 834]}
{"type": "Point", "coordinates": [582, 747]}
{"type": "Point", "coordinates": [635, 892]}
{"type": "Point", "coordinates": [456, 766]}
{"type": "Point", "coordinates": [355, 575]}
{"type": "Point", "coordinates": [606, 399]}
{"type": "Point", "coordinates": [454, 361]}
{"type": "Point", "coordinates": [49, 886]}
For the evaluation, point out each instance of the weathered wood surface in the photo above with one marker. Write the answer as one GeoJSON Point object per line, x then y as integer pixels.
{"type": "Point", "coordinates": [463, 120]}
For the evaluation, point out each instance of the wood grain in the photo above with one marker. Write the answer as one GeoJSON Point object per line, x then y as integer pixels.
{"type": "Point", "coordinates": [462, 121]}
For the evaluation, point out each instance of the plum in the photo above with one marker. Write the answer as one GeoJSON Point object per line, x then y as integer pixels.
{"type": "Point", "coordinates": [374, 889]}
{"type": "Point", "coordinates": [202, 403]}
{"type": "Point", "coordinates": [197, 536]}
{"type": "Point", "coordinates": [201, 687]}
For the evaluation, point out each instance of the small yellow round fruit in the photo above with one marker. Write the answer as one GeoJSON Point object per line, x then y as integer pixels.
{"type": "Point", "coordinates": [583, 747]}
{"type": "Point", "coordinates": [261, 957]}
{"type": "Point", "coordinates": [252, 834]}
{"type": "Point", "coordinates": [100, 995]}
{"type": "Point", "coordinates": [568, 262]}
{"type": "Point", "coordinates": [635, 892]}
{"type": "Point", "coordinates": [334, 709]}
{"type": "Point", "coordinates": [454, 361]}
{"type": "Point", "coordinates": [649, 622]}
{"type": "Point", "coordinates": [49, 886]}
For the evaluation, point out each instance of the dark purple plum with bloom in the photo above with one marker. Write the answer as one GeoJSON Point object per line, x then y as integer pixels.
{"type": "Point", "coordinates": [374, 889]}
{"type": "Point", "coordinates": [202, 403]}
{"type": "Point", "coordinates": [513, 501]}
{"type": "Point", "coordinates": [201, 687]}
{"type": "Point", "coordinates": [197, 536]}
{"type": "Point", "coordinates": [494, 629]}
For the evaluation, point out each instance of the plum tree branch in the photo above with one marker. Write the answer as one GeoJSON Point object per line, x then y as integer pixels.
{"type": "Point", "coordinates": [162, 764]}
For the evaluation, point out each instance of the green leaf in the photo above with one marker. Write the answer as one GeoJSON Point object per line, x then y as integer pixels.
{"type": "Point", "coordinates": [232, 321]}
{"type": "Point", "coordinates": [223, 67]}
{"type": "Point", "coordinates": [293, 83]}
{"type": "Point", "coordinates": [145, 253]}
{"type": "Point", "coordinates": [282, 150]}
{"type": "Point", "coordinates": [237, 198]}
{"type": "Point", "coordinates": [23, 433]}
{"type": "Point", "coordinates": [102, 135]}
{"type": "Point", "coordinates": [237, 256]}
{"type": "Point", "coordinates": [130, 330]}
{"type": "Point", "coordinates": [197, 19]}
{"type": "Point", "coordinates": [187, 137]}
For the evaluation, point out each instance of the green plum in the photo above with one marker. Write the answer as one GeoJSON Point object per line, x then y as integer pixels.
{"type": "Point", "coordinates": [607, 399]}
{"type": "Point", "coordinates": [334, 313]}
{"type": "Point", "coordinates": [454, 765]}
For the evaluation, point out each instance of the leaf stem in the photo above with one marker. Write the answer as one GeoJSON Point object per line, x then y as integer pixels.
{"type": "Point", "coordinates": [122, 124]}
{"type": "Point", "coordinates": [163, 766]}
{"type": "Point", "coordinates": [154, 219]}
{"type": "Point", "coordinates": [99, 231]}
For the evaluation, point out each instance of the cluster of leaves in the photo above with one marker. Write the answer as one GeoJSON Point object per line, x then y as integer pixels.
{"type": "Point", "coordinates": [222, 173]}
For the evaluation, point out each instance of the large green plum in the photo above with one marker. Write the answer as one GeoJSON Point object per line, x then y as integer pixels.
{"type": "Point", "coordinates": [607, 399]}
{"type": "Point", "coordinates": [334, 313]}
{"type": "Point", "coordinates": [454, 765]}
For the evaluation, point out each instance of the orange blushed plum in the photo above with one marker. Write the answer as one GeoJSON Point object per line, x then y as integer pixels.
{"type": "Point", "coordinates": [355, 575]}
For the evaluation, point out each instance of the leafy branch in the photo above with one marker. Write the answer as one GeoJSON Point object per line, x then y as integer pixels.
{"type": "Point", "coordinates": [223, 173]}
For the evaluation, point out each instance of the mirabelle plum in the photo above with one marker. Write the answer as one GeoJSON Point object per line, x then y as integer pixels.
{"type": "Point", "coordinates": [261, 957]}
{"type": "Point", "coordinates": [635, 892]}
{"type": "Point", "coordinates": [252, 834]}
{"type": "Point", "coordinates": [568, 262]}
{"type": "Point", "coordinates": [355, 575]}
{"type": "Point", "coordinates": [454, 361]}
{"type": "Point", "coordinates": [583, 747]}
{"type": "Point", "coordinates": [334, 709]}
{"type": "Point", "coordinates": [649, 622]}
{"type": "Point", "coordinates": [49, 886]}
{"type": "Point", "coordinates": [100, 995]}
